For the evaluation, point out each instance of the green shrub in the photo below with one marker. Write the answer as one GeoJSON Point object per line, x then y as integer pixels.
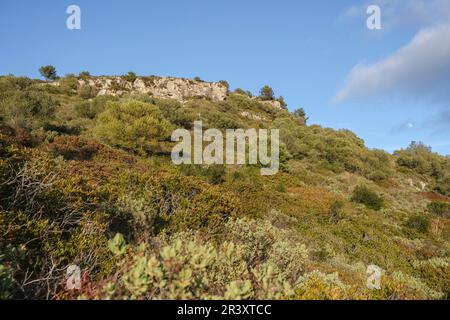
{"type": "Point", "coordinates": [418, 222]}
{"type": "Point", "coordinates": [84, 74]}
{"type": "Point", "coordinates": [336, 211]}
{"type": "Point", "coordinates": [84, 109]}
{"type": "Point", "coordinates": [131, 76]}
{"type": "Point", "coordinates": [224, 121]}
{"type": "Point", "coordinates": [243, 92]}
{"type": "Point", "coordinates": [90, 109]}
{"type": "Point", "coordinates": [378, 165]}
{"type": "Point", "coordinates": [319, 286]}
{"type": "Point", "coordinates": [301, 115]}
{"type": "Point", "coordinates": [363, 195]}
{"type": "Point", "coordinates": [442, 184]}
{"type": "Point", "coordinates": [283, 104]}
{"type": "Point", "coordinates": [225, 84]}
{"type": "Point", "coordinates": [6, 283]}
{"type": "Point", "coordinates": [174, 112]}
{"type": "Point", "coordinates": [87, 92]}
{"type": "Point", "coordinates": [69, 84]}
{"type": "Point", "coordinates": [439, 208]}
{"type": "Point", "coordinates": [215, 174]}
{"type": "Point", "coordinates": [134, 126]}
{"type": "Point", "coordinates": [48, 72]}
{"type": "Point", "coordinates": [420, 159]}
{"type": "Point", "coordinates": [266, 93]}
{"type": "Point", "coordinates": [182, 266]}
{"type": "Point", "coordinates": [281, 187]}
{"type": "Point", "coordinates": [11, 83]}
{"type": "Point", "coordinates": [178, 203]}
{"type": "Point", "coordinates": [28, 109]}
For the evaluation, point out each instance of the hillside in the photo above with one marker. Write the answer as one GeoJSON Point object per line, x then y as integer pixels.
{"type": "Point", "coordinates": [86, 179]}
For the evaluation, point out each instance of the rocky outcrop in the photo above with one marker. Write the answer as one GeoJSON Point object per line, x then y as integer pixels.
{"type": "Point", "coordinates": [252, 116]}
{"type": "Point", "coordinates": [274, 103]}
{"type": "Point", "coordinates": [159, 87]}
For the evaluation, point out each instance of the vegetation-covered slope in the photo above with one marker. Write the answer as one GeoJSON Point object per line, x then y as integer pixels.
{"type": "Point", "coordinates": [87, 180]}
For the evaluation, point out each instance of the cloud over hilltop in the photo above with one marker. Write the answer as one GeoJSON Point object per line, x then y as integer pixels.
{"type": "Point", "coordinates": [421, 68]}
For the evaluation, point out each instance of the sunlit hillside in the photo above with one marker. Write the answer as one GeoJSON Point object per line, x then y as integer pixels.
{"type": "Point", "coordinates": [86, 179]}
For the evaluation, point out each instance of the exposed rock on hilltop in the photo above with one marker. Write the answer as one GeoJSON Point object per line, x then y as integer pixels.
{"type": "Point", "coordinates": [274, 103]}
{"type": "Point", "coordinates": [160, 87]}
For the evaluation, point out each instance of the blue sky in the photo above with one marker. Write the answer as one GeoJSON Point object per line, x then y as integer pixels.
{"type": "Point", "coordinates": [389, 86]}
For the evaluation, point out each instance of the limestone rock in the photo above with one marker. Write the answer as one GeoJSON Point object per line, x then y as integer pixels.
{"type": "Point", "coordinates": [160, 87]}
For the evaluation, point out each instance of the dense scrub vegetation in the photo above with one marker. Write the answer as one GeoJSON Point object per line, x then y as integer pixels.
{"type": "Point", "coordinates": [86, 180]}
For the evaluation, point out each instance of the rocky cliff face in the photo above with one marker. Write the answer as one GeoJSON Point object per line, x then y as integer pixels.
{"type": "Point", "coordinates": [159, 87]}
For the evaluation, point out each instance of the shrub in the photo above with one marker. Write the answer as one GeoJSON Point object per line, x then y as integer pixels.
{"type": "Point", "coordinates": [319, 286]}
{"type": "Point", "coordinates": [377, 165]}
{"type": "Point", "coordinates": [28, 109]}
{"type": "Point", "coordinates": [336, 211]}
{"type": "Point", "coordinates": [178, 203]}
{"type": "Point", "coordinates": [363, 195]}
{"type": "Point", "coordinates": [420, 289]}
{"type": "Point", "coordinates": [48, 72]}
{"type": "Point", "coordinates": [173, 111]}
{"type": "Point", "coordinates": [443, 182]}
{"type": "Point", "coordinates": [281, 187]}
{"type": "Point", "coordinates": [215, 174]}
{"type": "Point", "coordinates": [266, 93]}
{"type": "Point", "coordinates": [7, 285]}
{"type": "Point", "coordinates": [69, 84]}
{"type": "Point", "coordinates": [74, 148]}
{"type": "Point", "coordinates": [11, 83]}
{"type": "Point", "coordinates": [224, 121]}
{"type": "Point", "coordinates": [37, 204]}
{"type": "Point", "coordinates": [243, 92]}
{"type": "Point", "coordinates": [84, 109]}
{"type": "Point", "coordinates": [87, 91]}
{"type": "Point", "coordinates": [225, 84]}
{"type": "Point", "coordinates": [283, 104]}
{"type": "Point", "coordinates": [134, 126]}
{"type": "Point", "coordinates": [131, 76]}
{"type": "Point", "coordinates": [207, 211]}
{"type": "Point", "coordinates": [84, 74]}
{"type": "Point", "coordinates": [183, 267]}
{"type": "Point", "coordinates": [90, 109]}
{"type": "Point", "coordinates": [257, 237]}
{"type": "Point", "coordinates": [420, 159]}
{"type": "Point", "coordinates": [439, 208]}
{"type": "Point", "coordinates": [418, 222]}
{"type": "Point", "coordinates": [301, 115]}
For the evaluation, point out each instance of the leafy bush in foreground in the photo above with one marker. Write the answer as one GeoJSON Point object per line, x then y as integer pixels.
{"type": "Point", "coordinates": [183, 266]}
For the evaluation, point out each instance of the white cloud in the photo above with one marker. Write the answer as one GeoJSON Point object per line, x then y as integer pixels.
{"type": "Point", "coordinates": [421, 68]}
